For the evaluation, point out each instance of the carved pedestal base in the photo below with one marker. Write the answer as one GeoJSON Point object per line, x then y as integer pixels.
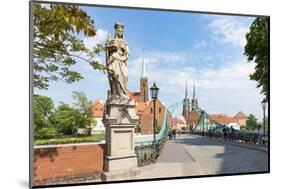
{"type": "Point", "coordinates": [120, 168]}
{"type": "Point", "coordinates": [120, 120]}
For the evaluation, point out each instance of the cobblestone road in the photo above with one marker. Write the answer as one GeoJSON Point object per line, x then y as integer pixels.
{"type": "Point", "coordinates": [196, 155]}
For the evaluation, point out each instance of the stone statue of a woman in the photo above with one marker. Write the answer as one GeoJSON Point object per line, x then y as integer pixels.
{"type": "Point", "coordinates": [116, 61]}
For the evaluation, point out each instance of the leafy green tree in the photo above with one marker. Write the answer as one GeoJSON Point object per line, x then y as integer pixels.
{"type": "Point", "coordinates": [57, 46]}
{"type": "Point", "coordinates": [251, 123]}
{"type": "Point", "coordinates": [43, 112]}
{"type": "Point", "coordinates": [257, 50]}
{"type": "Point", "coordinates": [67, 119]}
{"type": "Point", "coordinates": [84, 107]}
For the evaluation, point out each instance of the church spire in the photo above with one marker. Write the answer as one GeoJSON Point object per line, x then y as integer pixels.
{"type": "Point", "coordinates": [186, 89]}
{"type": "Point", "coordinates": [143, 69]}
{"type": "Point", "coordinates": [194, 89]}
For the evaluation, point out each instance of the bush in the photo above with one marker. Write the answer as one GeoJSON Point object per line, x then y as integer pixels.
{"type": "Point", "coordinates": [45, 133]}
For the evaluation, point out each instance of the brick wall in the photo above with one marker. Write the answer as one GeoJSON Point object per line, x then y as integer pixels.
{"type": "Point", "coordinates": [146, 119]}
{"type": "Point", "coordinates": [53, 164]}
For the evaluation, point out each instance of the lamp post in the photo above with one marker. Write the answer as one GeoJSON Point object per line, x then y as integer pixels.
{"type": "Point", "coordinates": [154, 95]}
{"type": "Point", "coordinates": [263, 104]}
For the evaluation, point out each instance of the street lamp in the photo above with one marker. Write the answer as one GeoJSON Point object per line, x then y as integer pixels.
{"type": "Point", "coordinates": [263, 104]}
{"type": "Point", "coordinates": [154, 95]}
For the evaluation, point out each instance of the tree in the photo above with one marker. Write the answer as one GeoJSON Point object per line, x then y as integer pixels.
{"type": "Point", "coordinates": [67, 119]}
{"type": "Point", "coordinates": [251, 123]}
{"type": "Point", "coordinates": [84, 107]}
{"type": "Point", "coordinates": [257, 50]}
{"type": "Point", "coordinates": [43, 112]}
{"type": "Point", "coordinates": [57, 46]}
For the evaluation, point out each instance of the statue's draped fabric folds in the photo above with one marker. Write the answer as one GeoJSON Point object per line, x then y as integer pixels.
{"type": "Point", "coordinates": [117, 52]}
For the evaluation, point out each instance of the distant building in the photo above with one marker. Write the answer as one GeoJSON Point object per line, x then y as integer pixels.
{"type": "Point", "coordinates": [191, 114]}
{"type": "Point", "coordinates": [178, 123]}
{"type": "Point", "coordinates": [225, 120]}
{"type": "Point", "coordinates": [144, 107]}
{"type": "Point", "coordinates": [146, 118]}
{"type": "Point", "coordinates": [241, 118]}
{"type": "Point", "coordinates": [98, 112]}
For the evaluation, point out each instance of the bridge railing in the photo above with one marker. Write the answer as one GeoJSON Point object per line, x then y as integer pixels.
{"type": "Point", "coordinates": [237, 136]}
{"type": "Point", "coordinates": [148, 149]}
{"type": "Point", "coordinates": [148, 153]}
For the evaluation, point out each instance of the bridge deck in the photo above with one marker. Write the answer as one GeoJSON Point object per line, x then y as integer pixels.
{"type": "Point", "coordinates": [196, 155]}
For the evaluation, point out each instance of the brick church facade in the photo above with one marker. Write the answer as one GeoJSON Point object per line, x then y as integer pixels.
{"type": "Point", "coordinates": [144, 107]}
{"type": "Point", "coordinates": [190, 113]}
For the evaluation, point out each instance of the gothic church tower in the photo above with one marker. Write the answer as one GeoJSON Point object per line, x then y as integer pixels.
{"type": "Point", "coordinates": [194, 101]}
{"type": "Point", "coordinates": [186, 104]}
{"type": "Point", "coordinates": [143, 83]}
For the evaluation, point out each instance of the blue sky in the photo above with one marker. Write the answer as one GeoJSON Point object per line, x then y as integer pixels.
{"type": "Point", "coordinates": [179, 47]}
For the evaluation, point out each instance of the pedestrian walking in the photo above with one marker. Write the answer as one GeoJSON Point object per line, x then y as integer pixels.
{"type": "Point", "coordinates": [170, 134]}
{"type": "Point", "coordinates": [231, 133]}
{"type": "Point", "coordinates": [224, 133]}
{"type": "Point", "coordinates": [174, 133]}
{"type": "Point", "coordinates": [260, 135]}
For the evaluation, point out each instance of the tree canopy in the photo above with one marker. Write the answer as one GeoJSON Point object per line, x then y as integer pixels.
{"type": "Point", "coordinates": [251, 123]}
{"type": "Point", "coordinates": [257, 50]}
{"type": "Point", "coordinates": [43, 115]}
{"type": "Point", "coordinates": [57, 44]}
{"type": "Point", "coordinates": [65, 119]}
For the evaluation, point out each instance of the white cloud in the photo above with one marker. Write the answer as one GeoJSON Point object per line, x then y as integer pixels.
{"type": "Point", "coordinates": [229, 29]}
{"type": "Point", "coordinates": [99, 38]}
{"type": "Point", "coordinates": [225, 89]}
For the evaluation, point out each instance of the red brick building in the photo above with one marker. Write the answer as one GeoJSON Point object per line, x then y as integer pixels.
{"type": "Point", "coordinates": [146, 117]}
{"type": "Point", "coordinates": [144, 107]}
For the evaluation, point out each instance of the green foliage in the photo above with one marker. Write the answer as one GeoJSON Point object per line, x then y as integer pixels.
{"type": "Point", "coordinates": [43, 108]}
{"type": "Point", "coordinates": [251, 123]}
{"type": "Point", "coordinates": [57, 46]}
{"type": "Point", "coordinates": [67, 119]}
{"type": "Point", "coordinates": [66, 140]}
{"type": "Point", "coordinates": [257, 50]}
{"type": "Point", "coordinates": [84, 107]}
{"type": "Point", "coordinates": [43, 112]}
{"type": "Point", "coordinates": [45, 133]}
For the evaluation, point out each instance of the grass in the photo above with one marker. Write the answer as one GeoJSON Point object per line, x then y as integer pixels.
{"type": "Point", "coordinates": [69, 140]}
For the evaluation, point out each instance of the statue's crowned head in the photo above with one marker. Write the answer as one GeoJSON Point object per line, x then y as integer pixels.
{"type": "Point", "coordinates": [119, 30]}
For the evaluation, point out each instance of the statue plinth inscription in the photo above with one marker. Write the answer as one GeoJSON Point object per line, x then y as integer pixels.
{"type": "Point", "coordinates": [120, 118]}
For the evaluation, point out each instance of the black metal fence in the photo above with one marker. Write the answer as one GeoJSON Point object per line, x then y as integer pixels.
{"type": "Point", "coordinates": [238, 136]}
{"type": "Point", "coordinates": [148, 153]}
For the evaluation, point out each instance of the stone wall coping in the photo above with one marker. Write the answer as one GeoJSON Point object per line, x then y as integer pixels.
{"type": "Point", "coordinates": [68, 145]}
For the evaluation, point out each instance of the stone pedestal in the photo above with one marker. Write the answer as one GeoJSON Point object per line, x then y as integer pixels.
{"type": "Point", "coordinates": [120, 120]}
